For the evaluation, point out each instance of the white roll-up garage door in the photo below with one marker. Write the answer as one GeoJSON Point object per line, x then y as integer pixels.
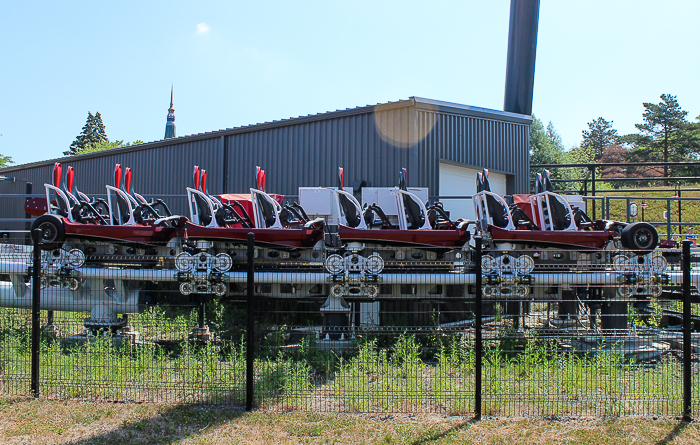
{"type": "Point", "coordinates": [456, 180]}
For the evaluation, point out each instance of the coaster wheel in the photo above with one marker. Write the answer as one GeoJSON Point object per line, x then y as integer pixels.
{"type": "Point", "coordinates": [640, 236]}
{"type": "Point", "coordinates": [52, 232]}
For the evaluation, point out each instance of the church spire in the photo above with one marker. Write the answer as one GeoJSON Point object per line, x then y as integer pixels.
{"type": "Point", "coordinates": [170, 125]}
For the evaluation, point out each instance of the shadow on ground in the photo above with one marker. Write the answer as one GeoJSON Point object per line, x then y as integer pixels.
{"type": "Point", "coordinates": [170, 426]}
{"type": "Point", "coordinates": [675, 432]}
{"type": "Point", "coordinates": [447, 432]}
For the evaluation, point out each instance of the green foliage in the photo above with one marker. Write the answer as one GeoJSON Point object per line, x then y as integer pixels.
{"type": "Point", "coordinates": [655, 208]}
{"type": "Point", "coordinates": [5, 161]}
{"type": "Point", "coordinates": [93, 133]}
{"type": "Point", "coordinates": [531, 374]}
{"type": "Point", "coordinates": [688, 140]}
{"type": "Point", "coordinates": [546, 146]}
{"type": "Point", "coordinates": [458, 354]}
{"type": "Point", "coordinates": [94, 138]}
{"type": "Point", "coordinates": [406, 355]}
{"type": "Point", "coordinates": [228, 321]}
{"type": "Point", "coordinates": [661, 130]}
{"type": "Point", "coordinates": [661, 119]}
{"type": "Point", "coordinates": [664, 136]}
{"type": "Point", "coordinates": [577, 155]}
{"type": "Point", "coordinates": [107, 145]}
{"type": "Point", "coordinates": [654, 319]}
{"type": "Point", "coordinates": [272, 340]}
{"type": "Point", "coordinates": [453, 384]}
{"type": "Point", "coordinates": [371, 380]}
{"type": "Point", "coordinates": [292, 380]}
{"type": "Point", "coordinates": [599, 136]}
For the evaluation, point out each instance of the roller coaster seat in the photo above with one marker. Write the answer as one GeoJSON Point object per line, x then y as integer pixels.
{"type": "Point", "coordinates": [412, 212]}
{"type": "Point", "coordinates": [492, 209]}
{"type": "Point", "coordinates": [266, 210]}
{"type": "Point", "coordinates": [553, 211]}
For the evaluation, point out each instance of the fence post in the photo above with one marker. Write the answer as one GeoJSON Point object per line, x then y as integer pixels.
{"type": "Point", "coordinates": [477, 337]}
{"type": "Point", "coordinates": [250, 353]}
{"type": "Point", "coordinates": [680, 211]}
{"type": "Point", "coordinates": [36, 311]}
{"type": "Point", "coordinates": [668, 218]}
{"type": "Point", "coordinates": [593, 189]}
{"type": "Point", "coordinates": [687, 347]}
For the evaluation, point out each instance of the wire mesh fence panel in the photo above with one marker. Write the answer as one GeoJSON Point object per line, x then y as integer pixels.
{"type": "Point", "coordinates": [352, 362]}
{"type": "Point", "coordinates": [15, 351]}
{"type": "Point", "coordinates": [672, 312]}
{"type": "Point", "coordinates": [357, 344]}
{"type": "Point", "coordinates": [362, 329]}
{"type": "Point", "coordinates": [117, 327]}
{"type": "Point", "coordinates": [588, 340]}
{"type": "Point", "coordinates": [15, 319]}
{"type": "Point", "coordinates": [157, 355]}
{"type": "Point", "coordinates": [695, 382]}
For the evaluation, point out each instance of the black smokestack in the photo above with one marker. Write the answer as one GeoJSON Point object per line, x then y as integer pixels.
{"type": "Point", "coordinates": [522, 46]}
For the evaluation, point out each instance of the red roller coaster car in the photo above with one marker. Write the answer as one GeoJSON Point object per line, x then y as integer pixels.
{"type": "Point", "coordinates": [547, 219]}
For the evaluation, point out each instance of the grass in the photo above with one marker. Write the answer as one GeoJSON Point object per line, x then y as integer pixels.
{"type": "Point", "coordinates": [73, 422]}
{"type": "Point", "coordinates": [529, 375]}
{"type": "Point", "coordinates": [690, 210]}
{"type": "Point", "coordinates": [398, 380]}
{"type": "Point", "coordinates": [103, 369]}
{"type": "Point", "coordinates": [522, 376]}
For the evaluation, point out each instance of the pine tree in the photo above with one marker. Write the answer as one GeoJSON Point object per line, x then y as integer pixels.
{"type": "Point", "coordinates": [661, 123]}
{"type": "Point", "coordinates": [599, 136]}
{"type": "Point", "coordinates": [93, 133]}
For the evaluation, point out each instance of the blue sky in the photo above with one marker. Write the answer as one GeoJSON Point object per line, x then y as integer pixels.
{"type": "Point", "coordinates": [237, 63]}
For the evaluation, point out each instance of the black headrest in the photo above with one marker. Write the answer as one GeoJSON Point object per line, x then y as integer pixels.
{"type": "Point", "coordinates": [486, 186]}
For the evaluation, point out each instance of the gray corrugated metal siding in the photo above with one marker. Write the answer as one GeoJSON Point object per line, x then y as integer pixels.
{"type": "Point", "coordinates": [307, 151]}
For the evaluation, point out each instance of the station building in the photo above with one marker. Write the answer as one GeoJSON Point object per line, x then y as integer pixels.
{"type": "Point", "coordinates": [442, 144]}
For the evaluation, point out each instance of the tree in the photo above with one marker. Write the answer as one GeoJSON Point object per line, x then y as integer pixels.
{"type": "Point", "coordinates": [93, 133]}
{"type": "Point", "coordinates": [577, 155]}
{"type": "Point", "coordinates": [107, 145]}
{"type": "Point", "coordinates": [619, 154]}
{"type": "Point", "coordinates": [687, 143]}
{"type": "Point", "coordinates": [5, 161]}
{"type": "Point", "coordinates": [599, 136]}
{"type": "Point", "coordinates": [554, 137]}
{"type": "Point", "coordinates": [546, 146]}
{"type": "Point", "coordinates": [662, 121]}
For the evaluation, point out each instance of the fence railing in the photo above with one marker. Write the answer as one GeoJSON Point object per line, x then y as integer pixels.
{"type": "Point", "coordinates": [579, 335]}
{"type": "Point", "coordinates": [673, 215]}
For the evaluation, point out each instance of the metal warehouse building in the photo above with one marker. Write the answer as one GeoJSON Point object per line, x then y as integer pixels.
{"type": "Point", "coordinates": [441, 144]}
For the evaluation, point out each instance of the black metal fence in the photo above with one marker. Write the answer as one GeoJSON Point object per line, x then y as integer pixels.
{"type": "Point", "coordinates": [589, 333]}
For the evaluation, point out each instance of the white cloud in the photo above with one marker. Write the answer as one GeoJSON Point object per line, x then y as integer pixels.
{"type": "Point", "coordinates": [202, 28]}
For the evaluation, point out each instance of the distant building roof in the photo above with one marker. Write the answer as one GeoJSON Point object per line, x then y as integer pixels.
{"type": "Point", "coordinates": [417, 102]}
